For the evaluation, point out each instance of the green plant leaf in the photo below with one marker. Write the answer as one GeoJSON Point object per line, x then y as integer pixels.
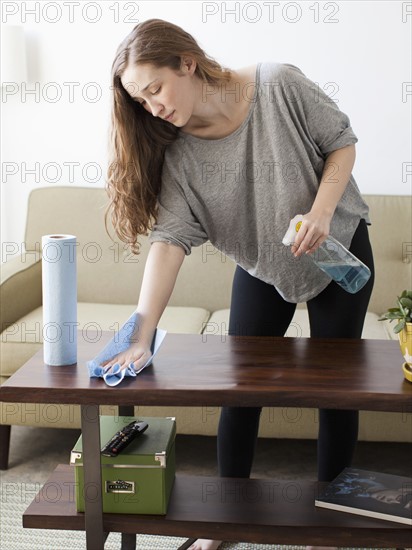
{"type": "Point", "coordinates": [403, 313]}
{"type": "Point", "coordinates": [406, 302]}
{"type": "Point", "coordinates": [394, 315]}
{"type": "Point", "coordinates": [399, 327]}
{"type": "Point", "coordinates": [401, 307]}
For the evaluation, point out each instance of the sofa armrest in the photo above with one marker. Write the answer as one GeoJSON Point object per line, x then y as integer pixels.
{"type": "Point", "coordinates": [21, 287]}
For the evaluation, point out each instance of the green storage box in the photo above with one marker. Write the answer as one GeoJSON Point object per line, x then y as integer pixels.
{"type": "Point", "coordinates": [140, 479]}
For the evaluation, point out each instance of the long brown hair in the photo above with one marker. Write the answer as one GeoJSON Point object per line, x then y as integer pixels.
{"type": "Point", "coordinates": [137, 139]}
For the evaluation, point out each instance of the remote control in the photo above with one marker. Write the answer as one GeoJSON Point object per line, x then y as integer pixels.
{"type": "Point", "coordinates": [123, 437]}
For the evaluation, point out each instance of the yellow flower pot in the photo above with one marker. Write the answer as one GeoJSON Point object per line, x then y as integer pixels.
{"type": "Point", "coordinates": [405, 341]}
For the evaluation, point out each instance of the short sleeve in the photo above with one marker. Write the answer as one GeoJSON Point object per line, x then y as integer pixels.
{"type": "Point", "coordinates": [176, 223]}
{"type": "Point", "coordinates": [328, 126]}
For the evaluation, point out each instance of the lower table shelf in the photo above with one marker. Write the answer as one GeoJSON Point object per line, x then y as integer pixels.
{"type": "Point", "coordinates": [249, 510]}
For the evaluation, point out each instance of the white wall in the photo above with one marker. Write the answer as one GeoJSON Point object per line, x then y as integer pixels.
{"type": "Point", "coordinates": [358, 52]}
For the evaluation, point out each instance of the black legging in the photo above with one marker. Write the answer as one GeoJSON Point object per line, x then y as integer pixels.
{"type": "Point", "coordinates": [257, 309]}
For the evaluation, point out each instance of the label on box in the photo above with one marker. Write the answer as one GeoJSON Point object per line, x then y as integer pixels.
{"type": "Point", "coordinates": [119, 486]}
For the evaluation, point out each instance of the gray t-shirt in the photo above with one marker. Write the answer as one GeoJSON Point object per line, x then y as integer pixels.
{"type": "Point", "coordinates": [241, 191]}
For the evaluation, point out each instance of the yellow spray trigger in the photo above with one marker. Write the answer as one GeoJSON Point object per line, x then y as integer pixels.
{"type": "Point", "coordinates": [297, 226]}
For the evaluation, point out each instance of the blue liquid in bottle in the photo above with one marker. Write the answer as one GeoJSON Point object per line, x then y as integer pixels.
{"type": "Point", "coordinates": [350, 277]}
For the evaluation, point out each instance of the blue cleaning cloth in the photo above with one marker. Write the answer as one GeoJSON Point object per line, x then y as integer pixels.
{"type": "Point", "coordinates": [119, 343]}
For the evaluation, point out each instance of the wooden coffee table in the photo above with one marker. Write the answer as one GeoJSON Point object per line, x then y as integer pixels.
{"type": "Point", "coordinates": [196, 370]}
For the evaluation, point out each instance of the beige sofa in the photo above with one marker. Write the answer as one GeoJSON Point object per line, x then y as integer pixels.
{"type": "Point", "coordinates": [109, 279]}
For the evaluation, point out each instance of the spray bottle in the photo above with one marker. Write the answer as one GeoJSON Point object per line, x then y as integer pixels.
{"type": "Point", "coordinates": [334, 259]}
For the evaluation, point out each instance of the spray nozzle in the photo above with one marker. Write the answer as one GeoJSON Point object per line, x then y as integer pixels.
{"type": "Point", "coordinates": [294, 227]}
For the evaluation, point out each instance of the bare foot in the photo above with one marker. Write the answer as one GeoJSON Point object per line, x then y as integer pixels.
{"type": "Point", "coordinates": [205, 544]}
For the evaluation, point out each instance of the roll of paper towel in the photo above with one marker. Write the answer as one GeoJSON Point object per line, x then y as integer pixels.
{"type": "Point", "coordinates": [59, 286]}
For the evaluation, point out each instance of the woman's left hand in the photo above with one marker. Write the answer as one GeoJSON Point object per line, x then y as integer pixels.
{"type": "Point", "coordinates": [313, 231]}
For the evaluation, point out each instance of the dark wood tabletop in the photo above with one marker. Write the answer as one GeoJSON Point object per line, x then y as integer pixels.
{"type": "Point", "coordinates": [199, 370]}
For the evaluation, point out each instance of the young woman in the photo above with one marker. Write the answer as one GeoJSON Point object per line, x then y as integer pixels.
{"type": "Point", "coordinates": [201, 152]}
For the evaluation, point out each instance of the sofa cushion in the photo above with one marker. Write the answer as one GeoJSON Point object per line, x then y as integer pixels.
{"type": "Point", "coordinates": [299, 326]}
{"type": "Point", "coordinates": [24, 338]}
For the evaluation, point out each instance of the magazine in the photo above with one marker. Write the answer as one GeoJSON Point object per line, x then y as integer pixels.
{"type": "Point", "coordinates": [372, 494]}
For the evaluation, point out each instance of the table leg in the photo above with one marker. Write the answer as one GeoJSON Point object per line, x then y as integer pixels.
{"type": "Point", "coordinates": [126, 410]}
{"type": "Point", "coordinates": [90, 423]}
{"type": "Point", "coordinates": [5, 446]}
{"type": "Point", "coordinates": [128, 540]}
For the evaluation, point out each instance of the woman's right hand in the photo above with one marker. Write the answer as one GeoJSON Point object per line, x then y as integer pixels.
{"type": "Point", "coordinates": [137, 354]}
{"type": "Point", "coordinates": [162, 266]}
